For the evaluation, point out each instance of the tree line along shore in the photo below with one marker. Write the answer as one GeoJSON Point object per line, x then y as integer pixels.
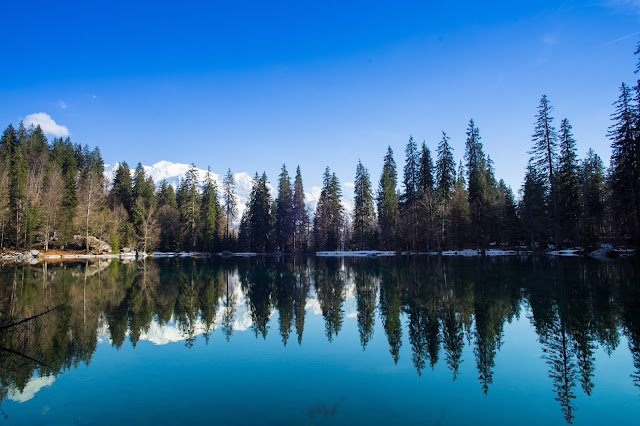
{"type": "Point", "coordinates": [55, 195]}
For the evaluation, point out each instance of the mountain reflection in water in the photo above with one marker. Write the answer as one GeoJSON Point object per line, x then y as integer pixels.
{"type": "Point", "coordinates": [434, 307]}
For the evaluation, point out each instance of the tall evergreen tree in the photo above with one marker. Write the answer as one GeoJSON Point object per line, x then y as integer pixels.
{"type": "Point", "coordinates": [387, 202]}
{"type": "Point", "coordinates": [364, 218]}
{"type": "Point", "coordinates": [259, 215]}
{"type": "Point", "coordinates": [13, 155]}
{"type": "Point", "coordinates": [300, 215]}
{"type": "Point", "coordinates": [593, 197]}
{"type": "Point", "coordinates": [64, 156]}
{"type": "Point", "coordinates": [625, 167]}
{"type": "Point", "coordinates": [478, 188]}
{"type": "Point", "coordinates": [445, 169]}
{"type": "Point", "coordinates": [543, 151]}
{"type": "Point", "coordinates": [122, 188]}
{"type": "Point", "coordinates": [426, 199]}
{"type": "Point", "coordinates": [285, 221]}
{"type": "Point", "coordinates": [507, 215]}
{"type": "Point", "coordinates": [209, 214]}
{"type": "Point", "coordinates": [445, 179]}
{"type": "Point", "coordinates": [568, 184]}
{"type": "Point", "coordinates": [168, 218]}
{"type": "Point", "coordinates": [188, 198]}
{"type": "Point", "coordinates": [532, 204]}
{"type": "Point", "coordinates": [409, 198]}
{"type": "Point", "coordinates": [229, 199]}
{"type": "Point", "coordinates": [329, 215]}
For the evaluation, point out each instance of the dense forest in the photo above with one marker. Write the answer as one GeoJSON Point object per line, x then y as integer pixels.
{"type": "Point", "coordinates": [54, 194]}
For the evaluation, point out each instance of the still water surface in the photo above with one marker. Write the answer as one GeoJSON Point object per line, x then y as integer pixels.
{"type": "Point", "coordinates": [322, 341]}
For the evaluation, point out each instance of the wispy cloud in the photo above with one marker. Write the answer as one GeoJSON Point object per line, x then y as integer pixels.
{"type": "Point", "coordinates": [549, 39]}
{"type": "Point", "coordinates": [46, 123]}
{"type": "Point", "coordinates": [62, 105]}
{"type": "Point", "coordinates": [628, 4]}
{"type": "Point", "coordinates": [618, 39]}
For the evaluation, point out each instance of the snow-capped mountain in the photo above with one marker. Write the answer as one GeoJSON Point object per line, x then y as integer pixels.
{"type": "Point", "coordinates": [173, 173]}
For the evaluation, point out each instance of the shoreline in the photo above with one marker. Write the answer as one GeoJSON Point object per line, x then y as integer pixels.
{"type": "Point", "coordinates": [35, 256]}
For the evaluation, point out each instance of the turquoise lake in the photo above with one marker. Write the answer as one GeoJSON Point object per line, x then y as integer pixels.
{"type": "Point", "coordinates": [322, 341]}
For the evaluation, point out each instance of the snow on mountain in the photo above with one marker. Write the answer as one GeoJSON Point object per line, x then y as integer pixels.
{"type": "Point", "coordinates": [173, 173]}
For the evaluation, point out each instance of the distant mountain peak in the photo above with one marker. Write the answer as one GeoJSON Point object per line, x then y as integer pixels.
{"type": "Point", "coordinates": [173, 173]}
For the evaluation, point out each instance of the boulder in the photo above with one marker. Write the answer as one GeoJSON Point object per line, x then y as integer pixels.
{"type": "Point", "coordinates": [95, 244]}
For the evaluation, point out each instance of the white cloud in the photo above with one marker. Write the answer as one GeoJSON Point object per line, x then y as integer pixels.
{"type": "Point", "coordinates": [30, 390]}
{"type": "Point", "coordinates": [48, 125]}
{"type": "Point", "coordinates": [349, 184]}
{"type": "Point", "coordinates": [62, 105]}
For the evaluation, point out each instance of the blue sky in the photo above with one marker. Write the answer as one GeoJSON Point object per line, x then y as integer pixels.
{"type": "Point", "coordinates": [252, 85]}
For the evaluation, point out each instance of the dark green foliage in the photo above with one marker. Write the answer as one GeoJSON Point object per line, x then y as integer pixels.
{"type": "Point", "coordinates": [478, 174]}
{"type": "Point", "coordinates": [210, 215]}
{"type": "Point", "coordinates": [387, 203]}
{"type": "Point", "coordinates": [445, 181]}
{"type": "Point", "coordinates": [544, 158]}
{"type": "Point", "coordinates": [64, 156]}
{"type": "Point", "coordinates": [328, 221]}
{"type": "Point", "coordinates": [257, 225]}
{"type": "Point", "coordinates": [188, 198]}
{"type": "Point", "coordinates": [122, 188]}
{"type": "Point", "coordinates": [592, 188]}
{"type": "Point", "coordinates": [445, 170]}
{"type": "Point", "coordinates": [300, 215]}
{"type": "Point", "coordinates": [229, 200]}
{"type": "Point", "coordinates": [426, 203]}
{"type": "Point", "coordinates": [284, 213]}
{"type": "Point", "coordinates": [568, 186]}
{"type": "Point", "coordinates": [625, 168]}
{"type": "Point", "coordinates": [410, 197]}
{"type": "Point", "coordinates": [532, 208]}
{"type": "Point", "coordinates": [364, 215]}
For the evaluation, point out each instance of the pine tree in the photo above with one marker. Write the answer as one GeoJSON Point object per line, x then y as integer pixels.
{"type": "Point", "coordinates": [329, 215]}
{"type": "Point", "coordinates": [409, 198]}
{"type": "Point", "coordinates": [445, 169]}
{"type": "Point", "coordinates": [593, 197]}
{"type": "Point", "coordinates": [532, 205]}
{"type": "Point", "coordinates": [285, 220]}
{"type": "Point", "coordinates": [91, 193]}
{"type": "Point", "coordinates": [476, 166]}
{"type": "Point", "coordinates": [364, 218]}
{"type": "Point", "coordinates": [543, 151]}
{"type": "Point", "coordinates": [300, 215]}
{"type": "Point", "coordinates": [229, 199]}
{"type": "Point", "coordinates": [259, 215]}
{"type": "Point", "coordinates": [335, 236]}
{"type": "Point", "coordinates": [322, 215]}
{"type": "Point", "coordinates": [507, 214]}
{"type": "Point", "coordinates": [17, 180]}
{"type": "Point", "coordinates": [168, 218]}
{"type": "Point", "coordinates": [426, 198]}
{"type": "Point", "coordinates": [387, 202]}
{"type": "Point", "coordinates": [64, 156]}
{"type": "Point", "coordinates": [445, 178]}
{"type": "Point", "coordinates": [209, 214]}
{"type": "Point", "coordinates": [122, 188]}
{"type": "Point", "coordinates": [625, 169]}
{"type": "Point", "coordinates": [568, 185]}
{"type": "Point", "coordinates": [188, 198]}
{"type": "Point", "coordinates": [166, 195]}
{"type": "Point", "coordinates": [459, 213]}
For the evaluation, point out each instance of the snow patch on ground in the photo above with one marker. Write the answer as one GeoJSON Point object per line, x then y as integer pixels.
{"type": "Point", "coordinates": [360, 253]}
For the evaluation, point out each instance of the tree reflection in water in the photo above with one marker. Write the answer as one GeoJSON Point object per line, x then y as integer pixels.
{"type": "Point", "coordinates": [575, 305]}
